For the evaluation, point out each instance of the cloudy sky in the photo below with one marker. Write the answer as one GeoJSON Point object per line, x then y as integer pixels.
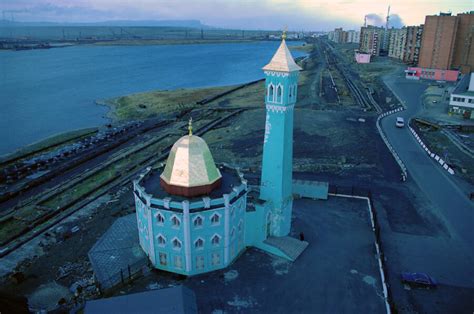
{"type": "Point", "coordinates": [249, 14]}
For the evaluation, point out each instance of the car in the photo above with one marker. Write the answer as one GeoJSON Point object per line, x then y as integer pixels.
{"type": "Point", "coordinates": [400, 122]}
{"type": "Point", "coordinates": [418, 280]}
{"type": "Point", "coordinates": [435, 101]}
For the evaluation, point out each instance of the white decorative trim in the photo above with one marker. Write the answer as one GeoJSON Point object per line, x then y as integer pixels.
{"type": "Point", "coordinates": [268, 128]}
{"type": "Point", "coordinates": [279, 109]}
{"type": "Point", "coordinates": [150, 238]}
{"type": "Point", "coordinates": [277, 74]}
{"type": "Point", "coordinates": [207, 201]}
{"type": "Point", "coordinates": [187, 236]}
{"type": "Point", "coordinates": [226, 227]}
{"type": "Point", "coordinates": [166, 202]}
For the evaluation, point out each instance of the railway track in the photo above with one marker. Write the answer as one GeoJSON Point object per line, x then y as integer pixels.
{"type": "Point", "coordinates": [53, 218]}
{"type": "Point", "coordinates": [363, 98]}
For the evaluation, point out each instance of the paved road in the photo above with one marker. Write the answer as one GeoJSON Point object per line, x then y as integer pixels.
{"type": "Point", "coordinates": [436, 183]}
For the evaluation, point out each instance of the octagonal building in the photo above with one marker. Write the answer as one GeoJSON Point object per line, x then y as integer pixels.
{"type": "Point", "coordinates": [191, 213]}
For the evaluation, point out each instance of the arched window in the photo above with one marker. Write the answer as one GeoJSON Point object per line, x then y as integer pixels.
{"type": "Point", "coordinates": [239, 227]}
{"type": "Point", "coordinates": [215, 240]}
{"type": "Point", "coordinates": [175, 222]}
{"type": "Point", "coordinates": [161, 240]}
{"type": "Point", "coordinates": [199, 243]}
{"type": "Point", "coordinates": [215, 219]}
{"type": "Point", "coordinates": [294, 91]}
{"type": "Point", "coordinates": [198, 222]}
{"type": "Point", "coordinates": [279, 94]}
{"type": "Point", "coordinates": [290, 93]}
{"type": "Point", "coordinates": [176, 244]}
{"type": "Point", "coordinates": [271, 93]}
{"type": "Point", "coordinates": [160, 219]}
{"type": "Point", "coordinates": [232, 233]}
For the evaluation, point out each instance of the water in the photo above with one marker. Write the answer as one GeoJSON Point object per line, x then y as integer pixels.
{"type": "Point", "coordinates": [45, 92]}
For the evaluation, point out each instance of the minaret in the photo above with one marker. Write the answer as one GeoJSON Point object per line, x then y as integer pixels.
{"type": "Point", "coordinates": [281, 83]}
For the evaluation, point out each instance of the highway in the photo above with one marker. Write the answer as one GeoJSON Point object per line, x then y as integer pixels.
{"type": "Point", "coordinates": [439, 186]}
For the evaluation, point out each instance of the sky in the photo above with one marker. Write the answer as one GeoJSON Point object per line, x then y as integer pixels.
{"type": "Point", "coordinates": [246, 14]}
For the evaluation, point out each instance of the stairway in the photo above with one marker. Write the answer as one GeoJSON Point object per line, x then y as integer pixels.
{"type": "Point", "coordinates": [291, 247]}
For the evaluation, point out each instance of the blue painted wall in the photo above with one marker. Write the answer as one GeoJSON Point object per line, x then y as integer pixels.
{"type": "Point", "coordinates": [277, 165]}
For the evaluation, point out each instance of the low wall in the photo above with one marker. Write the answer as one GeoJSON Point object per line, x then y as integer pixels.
{"type": "Point", "coordinates": [310, 189]}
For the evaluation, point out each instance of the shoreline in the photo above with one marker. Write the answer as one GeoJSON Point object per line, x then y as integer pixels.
{"type": "Point", "coordinates": [169, 101]}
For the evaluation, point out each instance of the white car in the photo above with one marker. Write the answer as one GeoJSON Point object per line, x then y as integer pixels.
{"type": "Point", "coordinates": [400, 122]}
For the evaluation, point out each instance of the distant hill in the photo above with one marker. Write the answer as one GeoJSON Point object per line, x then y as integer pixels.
{"type": "Point", "coordinates": [123, 23]}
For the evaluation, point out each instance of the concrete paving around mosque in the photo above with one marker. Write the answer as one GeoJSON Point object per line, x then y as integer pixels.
{"type": "Point", "coordinates": [337, 273]}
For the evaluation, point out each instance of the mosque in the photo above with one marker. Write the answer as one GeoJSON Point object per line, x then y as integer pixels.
{"type": "Point", "coordinates": [193, 215]}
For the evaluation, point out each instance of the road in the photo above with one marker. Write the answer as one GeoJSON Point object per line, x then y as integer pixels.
{"type": "Point", "coordinates": [433, 180]}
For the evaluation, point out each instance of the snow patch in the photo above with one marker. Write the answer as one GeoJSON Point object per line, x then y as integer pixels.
{"type": "Point", "coordinates": [242, 303]}
{"type": "Point", "coordinates": [280, 266]}
{"type": "Point", "coordinates": [231, 275]}
{"type": "Point", "coordinates": [369, 280]}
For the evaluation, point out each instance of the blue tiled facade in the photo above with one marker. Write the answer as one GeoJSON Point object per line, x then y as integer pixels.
{"type": "Point", "coordinates": [191, 237]}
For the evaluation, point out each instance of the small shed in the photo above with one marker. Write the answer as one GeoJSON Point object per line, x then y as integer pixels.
{"type": "Point", "coordinates": [175, 300]}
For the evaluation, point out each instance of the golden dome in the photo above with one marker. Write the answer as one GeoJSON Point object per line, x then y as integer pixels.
{"type": "Point", "coordinates": [190, 165]}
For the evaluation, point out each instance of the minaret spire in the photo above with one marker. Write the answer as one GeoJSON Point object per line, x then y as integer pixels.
{"type": "Point", "coordinates": [190, 126]}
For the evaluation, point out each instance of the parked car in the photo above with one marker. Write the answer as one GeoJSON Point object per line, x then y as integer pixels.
{"type": "Point", "coordinates": [400, 122]}
{"type": "Point", "coordinates": [418, 280]}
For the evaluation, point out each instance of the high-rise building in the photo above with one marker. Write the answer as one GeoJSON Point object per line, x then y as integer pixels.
{"type": "Point", "coordinates": [353, 36]}
{"type": "Point", "coordinates": [371, 40]}
{"type": "Point", "coordinates": [463, 57]}
{"type": "Point", "coordinates": [447, 42]}
{"type": "Point", "coordinates": [413, 44]}
{"type": "Point", "coordinates": [397, 43]}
